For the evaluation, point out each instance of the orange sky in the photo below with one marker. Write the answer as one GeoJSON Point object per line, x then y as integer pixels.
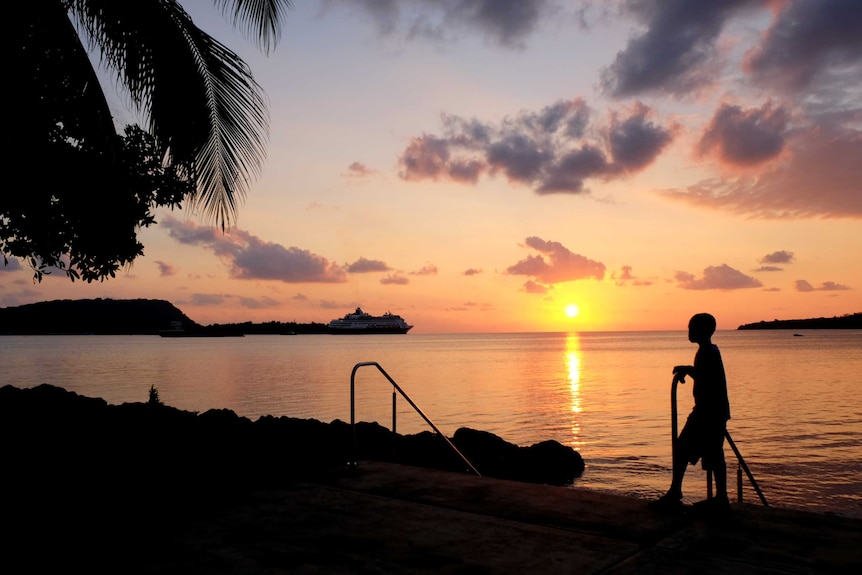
{"type": "Point", "coordinates": [479, 170]}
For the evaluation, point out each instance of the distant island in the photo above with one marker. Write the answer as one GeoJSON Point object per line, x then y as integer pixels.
{"type": "Point", "coordinates": [127, 317]}
{"type": "Point", "coordinates": [849, 321]}
{"type": "Point", "coordinates": [152, 316]}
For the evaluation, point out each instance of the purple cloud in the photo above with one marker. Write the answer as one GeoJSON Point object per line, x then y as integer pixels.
{"type": "Point", "coordinates": [810, 43]}
{"type": "Point", "coordinates": [768, 269]}
{"type": "Point", "coordinates": [395, 279]}
{"type": "Point", "coordinates": [503, 22]}
{"type": "Point", "coordinates": [791, 188]}
{"type": "Point", "coordinates": [363, 265]}
{"type": "Point", "coordinates": [429, 270]}
{"type": "Point", "coordinates": [10, 265]}
{"type": "Point", "coordinates": [560, 266]}
{"type": "Point", "coordinates": [779, 257]}
{"type": "Point", "coordinates": [721, 277]}
{"type": "Point", "coordinates": [359, 170]}
{"type": "Point", "coordinates": [804, 286]}
{"type": "Point", "coordinates": [635, 141]}
{"type": "Point", "coordinates": [626, 277]}
{"type": "Point", "coordinates": [745, 137]}
{"type": "Point", "coordinates": [207, 299]}
{"type": "Point", "coordinates": [258, 303]}
{"type": "Point", "coordinates": [532, 287]}
{"type": "Point", "coordinates": [249, 257]}
{"type": "Point", "coordinates": [546, 150]}
{"type": "Point", "coordinates": [166, 269]}
{"type": "Point", "coordinates": [676, 53]}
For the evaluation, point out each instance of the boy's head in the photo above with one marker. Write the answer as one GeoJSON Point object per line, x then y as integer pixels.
{"type": "Point", "coordinates": [701, 326]}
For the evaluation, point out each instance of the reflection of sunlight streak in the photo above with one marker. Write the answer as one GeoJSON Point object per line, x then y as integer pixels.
{"type": "Point", "coordinates": [573, 365]}
{"type": "Point", "coordinates": [573, 361]}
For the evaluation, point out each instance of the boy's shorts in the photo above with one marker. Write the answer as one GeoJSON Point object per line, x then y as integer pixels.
{"type": "Point", "coordinates": [702, 439]}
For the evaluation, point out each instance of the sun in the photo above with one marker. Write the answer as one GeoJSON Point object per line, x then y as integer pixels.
{"type": "Point", "coordinates": [572, 310]}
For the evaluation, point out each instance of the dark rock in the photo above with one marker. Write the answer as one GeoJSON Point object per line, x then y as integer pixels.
{"type": "Point", "coordinates": [549, 462]}
{"type": "Point", "coordinates": [67, 442]}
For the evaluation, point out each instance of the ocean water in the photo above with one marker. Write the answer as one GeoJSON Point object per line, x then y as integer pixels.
{"type": "Point", "coordinates": [795, 400]}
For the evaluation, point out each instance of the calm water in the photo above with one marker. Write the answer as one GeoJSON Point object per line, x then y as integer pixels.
{"type": "Point", "coordinates": [795, 401]}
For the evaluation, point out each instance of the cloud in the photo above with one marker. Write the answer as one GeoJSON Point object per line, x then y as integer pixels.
{"type": "Point", "coordinates": [635, 141]}
{"type": "Point", "coordinates": [166, 269]}
{"type": "Point", "coordinates": [207, 299]}
{"type": "Point", "coordinates": [472, 271]}
{"type": "Point", "coordinates": [676, 53]}
{"type": "Point", "coordinates": [501, 22]}
{"type": "Point", "coordinates": [745, 137]}
{"type": "Point", "coordinates": [625, 277]}
{"type": "Point", "coordinates": [299, 297]}
{"type": "Point", "coordinates": [721, 277]}
{"type": "Point", "coordinates": [779, 257]}
{"type": "Point", "coordinates": [21, 297]}
{"type": "Point", "coordinates": [832, 286]}
{"type": "Point", "coordinates": [768, 269]}
{"type": "Point", "coordinates": [821, 177]}
{"type": "Point", "coordinates": [804, 286]}
{"type": "Point", "coordinates": [363, 265]}
{"type": "Point", "coordinates": [560, 266]}
{"type": "Point", "coordinates": [532, 287]}
{"type": "Point", "coordinates": [546, 150]}
{"type": "Point", "coordinates": [258, 303]}
{"type": "Point", "coordinates": [810, 44]}
{"type": "Point", "coordinates": [359, 170]}
{"type": "Point", "coordinates": [395, 279]}
{"type": "Point", "coordinates": [10, 265]}
{"type": "Point", "coordinates": [429, 270]}
{"type": "Point", "coordinates": [471, 305]}
{"type": "Point", "coordinates": [249, 257]}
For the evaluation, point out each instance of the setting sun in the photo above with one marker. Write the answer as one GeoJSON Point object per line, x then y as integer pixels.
{"type": "Point", "coordinates": [572, 310]}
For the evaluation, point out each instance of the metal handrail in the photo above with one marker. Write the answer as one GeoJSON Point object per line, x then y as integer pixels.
{"type": "Point", "coordinates": [410, 401]}
{"type": "Point", "coordinates": [742, 465]}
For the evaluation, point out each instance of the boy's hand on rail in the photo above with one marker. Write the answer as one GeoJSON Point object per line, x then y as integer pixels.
{"type": "Point", "coordinates": [679, 373]}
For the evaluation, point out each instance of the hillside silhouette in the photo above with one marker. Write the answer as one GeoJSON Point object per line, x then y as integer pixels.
{"type": "Point", "coordinates": [849, 321]}
{"type": "Point", "coordinates": [126, 317]}
{"type": "Point", "coordinates": [93, 316]}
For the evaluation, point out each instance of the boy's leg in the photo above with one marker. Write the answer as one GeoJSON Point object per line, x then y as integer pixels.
{"type": "Point", "coordinates": [682, 451]}
{"type": "Point", "coordinates": [719, 471]}
{"type": "Point", "coordinates": [680, 464]}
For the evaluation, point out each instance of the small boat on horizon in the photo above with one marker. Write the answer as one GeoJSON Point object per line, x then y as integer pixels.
{"type": "Point", "coordinates": [177, 330]}
{"type": "Point", "coordinates": [360, 322]}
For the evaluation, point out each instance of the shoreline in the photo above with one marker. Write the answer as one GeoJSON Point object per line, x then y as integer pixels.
{"type": "Point", "coordinates": [152, 489]}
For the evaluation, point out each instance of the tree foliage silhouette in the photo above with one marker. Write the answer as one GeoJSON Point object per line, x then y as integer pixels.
{"type": "Point", "coordinates": [84, 190]}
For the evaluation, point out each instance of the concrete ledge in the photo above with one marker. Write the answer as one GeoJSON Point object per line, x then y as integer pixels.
{"type": "Point", "coordinates": [385, 518]}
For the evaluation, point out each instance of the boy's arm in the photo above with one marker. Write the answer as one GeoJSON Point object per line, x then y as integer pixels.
{"type": "Point", "coordinates": [680, 371]}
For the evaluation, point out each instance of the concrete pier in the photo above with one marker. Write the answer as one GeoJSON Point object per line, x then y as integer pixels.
{"type": "Point", "coordinates": [385, 518]}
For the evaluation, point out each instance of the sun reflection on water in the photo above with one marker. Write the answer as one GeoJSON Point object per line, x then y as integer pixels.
{"type": "Point", "coordinates": [573, 368]}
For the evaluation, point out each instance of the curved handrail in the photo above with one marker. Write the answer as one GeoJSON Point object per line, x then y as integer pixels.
{"type": "Point", "coordinates": [674, 427]}
{"type": "Point", "coordinates": [410, 401]}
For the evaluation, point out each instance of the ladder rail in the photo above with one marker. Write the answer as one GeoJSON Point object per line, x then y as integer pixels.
{"type": "Point", "coordinates": [415, 407]}
{"type": "Point", "coordinates": [740, 459]}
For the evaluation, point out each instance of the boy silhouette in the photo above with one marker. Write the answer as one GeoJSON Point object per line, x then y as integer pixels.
{"type": "Point", "coordinates": [702, 437]}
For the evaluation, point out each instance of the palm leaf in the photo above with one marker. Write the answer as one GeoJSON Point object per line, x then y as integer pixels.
{"type": "Point", "coordinates": [199, 98]}
{"type": "Point", "coordinates": [260, 18]}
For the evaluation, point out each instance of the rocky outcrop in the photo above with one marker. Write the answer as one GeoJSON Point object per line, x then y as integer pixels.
{"type": "Point", "coordinates": [89, 482]}
{"type": "Point", "coordinates": [57, 434]}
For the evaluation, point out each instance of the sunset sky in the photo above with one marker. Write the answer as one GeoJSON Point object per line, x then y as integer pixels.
{"type": "Point", "coordinates": [479, 166]}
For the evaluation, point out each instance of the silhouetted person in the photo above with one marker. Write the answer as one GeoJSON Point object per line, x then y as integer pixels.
{"type": "Point", "coordinates": [702, 437]}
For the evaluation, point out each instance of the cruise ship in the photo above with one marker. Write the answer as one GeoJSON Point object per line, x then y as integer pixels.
{"type": "Point", "coordinates": [361, 322]}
